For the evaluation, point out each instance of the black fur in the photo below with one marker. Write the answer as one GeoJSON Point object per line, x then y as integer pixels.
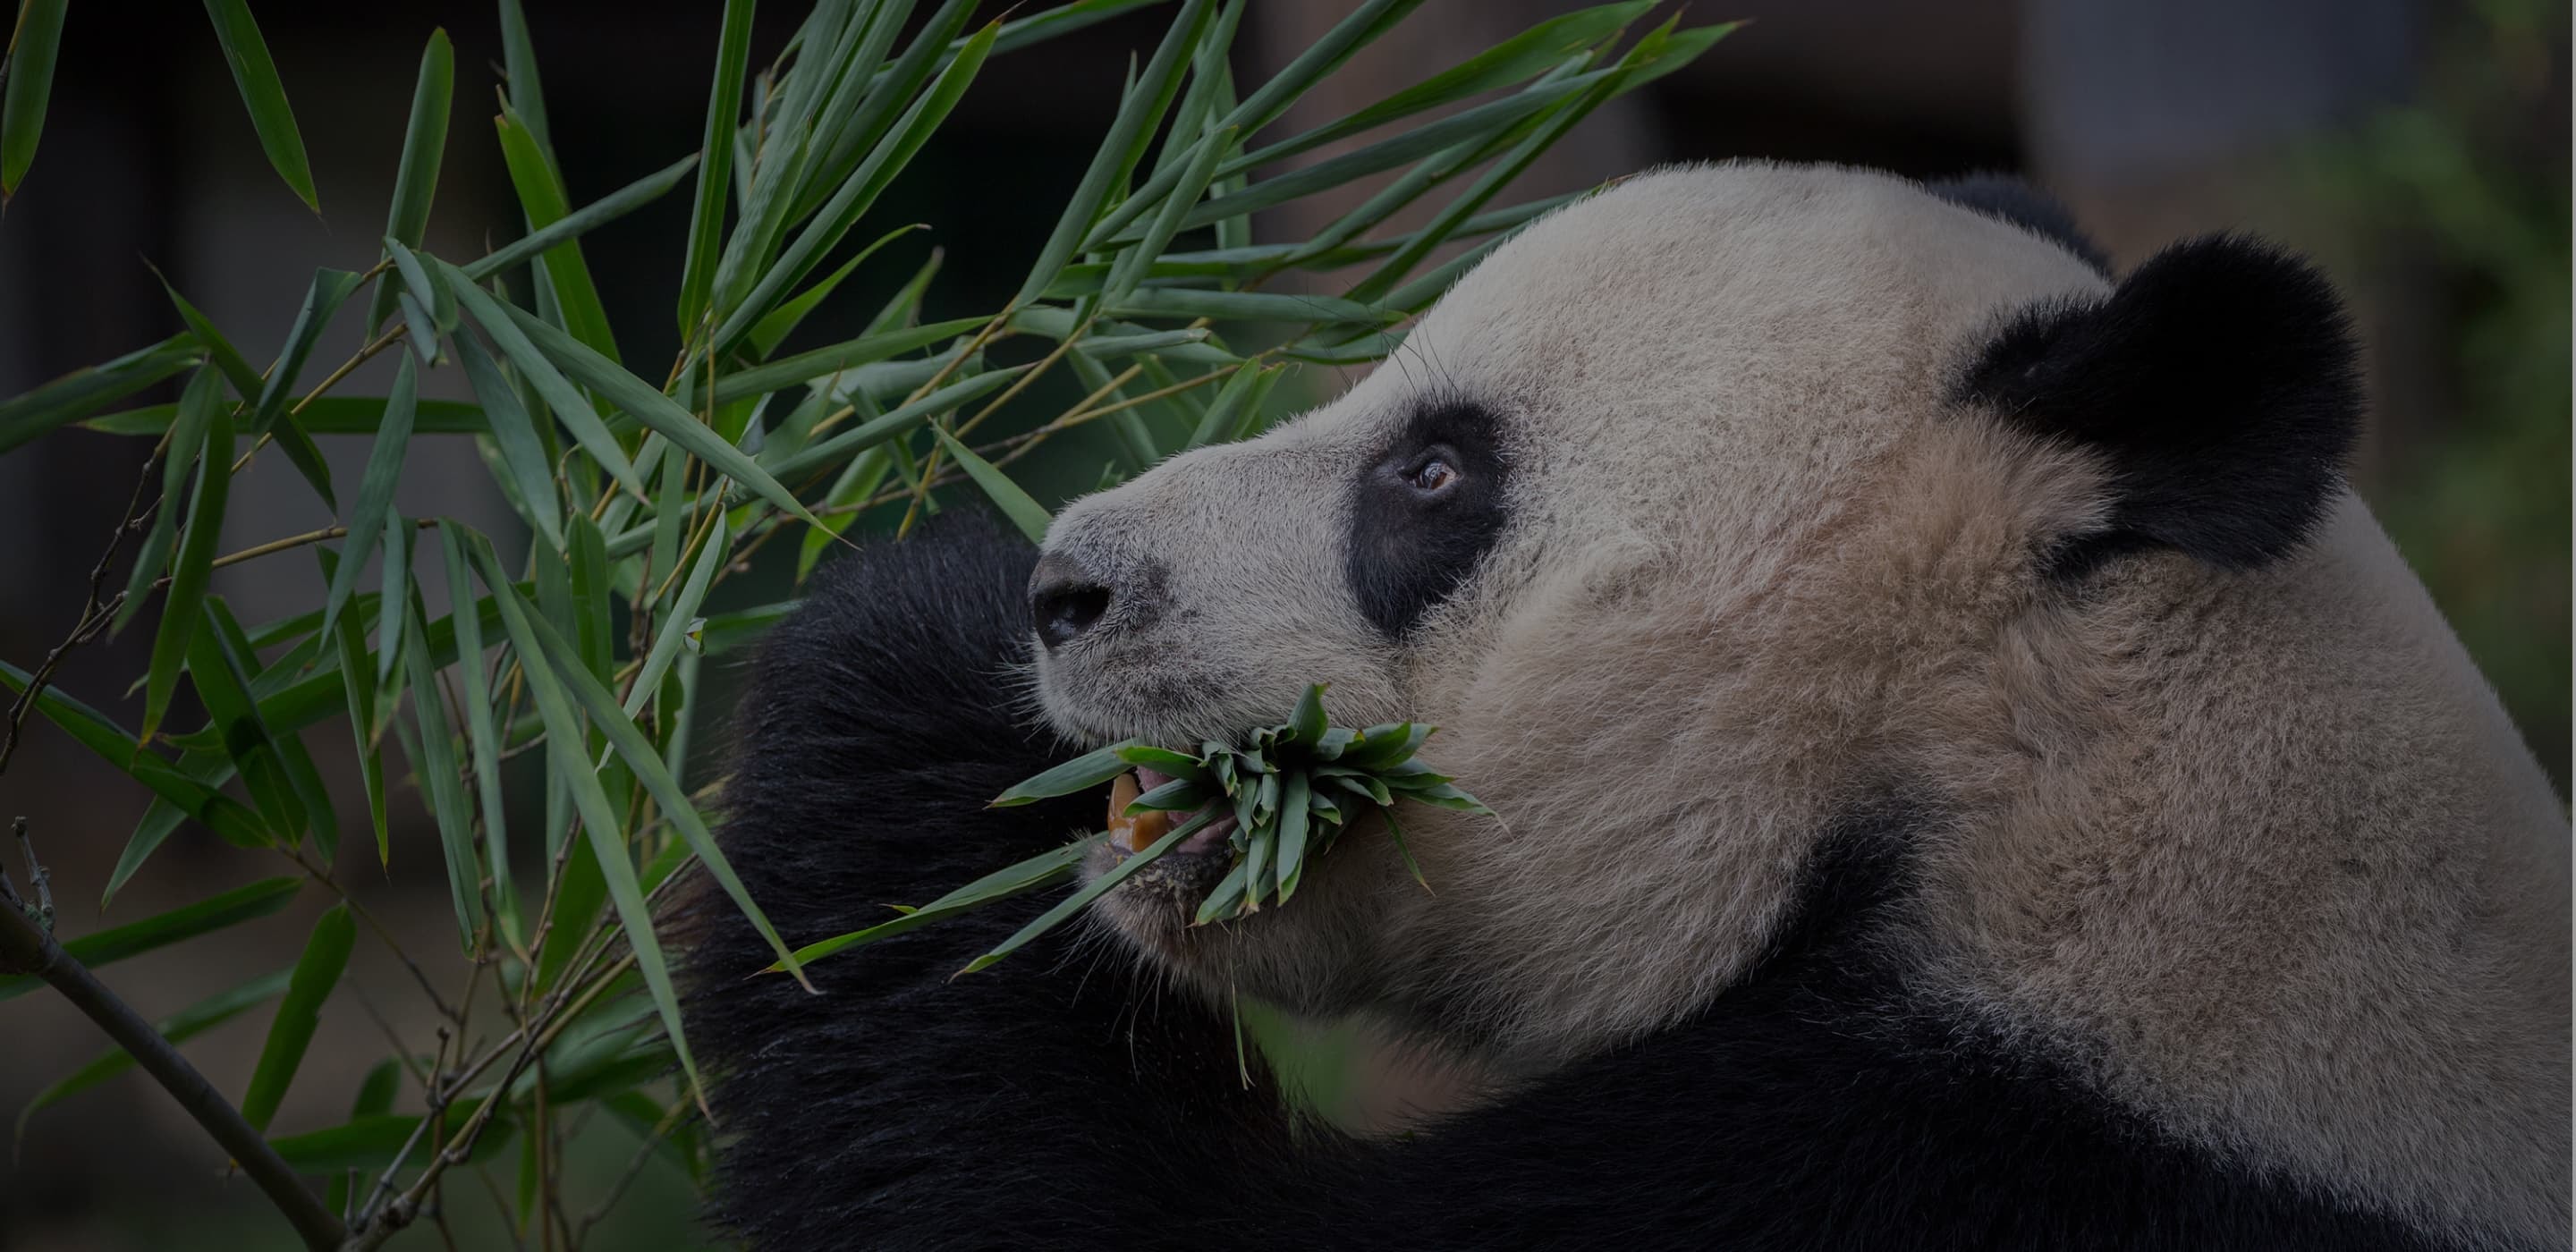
{"type": "Point", "coordinates": [900, 1109]}
{"type": "Point", "coordinates": [1408, 553]}
{"type": "Point", "coordinates": [2014, 200]}
{"type": "Point", "coordinates": [2218, 379]}
{"type": "Point", "coordinates": [1057, 1101]}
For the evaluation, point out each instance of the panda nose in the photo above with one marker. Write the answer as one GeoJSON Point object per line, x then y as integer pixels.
{"type": "Point", "coordinates": [1064, 599]}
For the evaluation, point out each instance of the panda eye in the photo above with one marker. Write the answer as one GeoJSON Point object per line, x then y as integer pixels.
{"type": "Point", "coordinates": [1432, 474]}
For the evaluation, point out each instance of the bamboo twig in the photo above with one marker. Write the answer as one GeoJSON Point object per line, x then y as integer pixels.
{"type": "Point", "coordinates": [27, 948]}
{"type": "Point", "coordinates": [95, 613]}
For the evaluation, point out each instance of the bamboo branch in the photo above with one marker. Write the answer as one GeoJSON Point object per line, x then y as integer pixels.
{"type": "Point", "coordinates": [27, 948]}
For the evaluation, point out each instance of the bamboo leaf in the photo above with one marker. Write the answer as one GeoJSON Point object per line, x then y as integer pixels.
{"type": "Point", "coordinates": [1227, 898]}
{"type": "Point", "coordinates": [901, 420]}
{"type": "Point", "coordinates": [1237, 403]}
{"type": "Point", "coordinates": [375, 488]}
{"type": "Point", "coordinates": [715, 166]}
{"type": "Point", "coordinates": [1320, 58]}
{"type": "Point", "coordinates": [1089, 892]}
{"type": "Point", "coordinates": [283, 764]}
{"type": "Point", "coordinates": [552, 585]}
{"type": "Point", "coordinates": [519, 72]}
{"type": "Point", "coordinates": [1062, 20]}
{"type": "Point", "coordinates": [1610, 83]}
{"type": "Point", "coordinates": [1307, 724]}
{"type": "Point", "coordinates": [321, 300]}
{"type": "Point", "coordinates": [261, 92]}
{"type": "Point", "coordinates": [1207, 85]}
{"type": "Point", "coordinates": [1256, 867]}
{"type": "Point", "coordinates": [1309, 67]}
{"type": "Point", "coordinates": [1181, 344]}
{"type": "Point", "coordinates": [302, 453]}
{"type": "Point", "coordinates": [326, 954]}
{"type": "Point", "coordinates": [391, 620]}
{"type": "Point", "coordinates": [1136, 441]}
{"type": "Point", "coordinates": [1136, 119]}
{"type": "Point", "coordinates": [592, 628]}
{"type": "Point", "coordinates": [903, 308]}
{"type": "Point", "coordinates": [271, 416]}
{"type": "Point", "coordinates": [572, 766]}
{"type": "Point", "coordinates": [187, 439]}
{"type": "Point", "coordinates": [860, 190]}
{"type": "Point", "coordinates": [675, 624]}
{"type": "Point", "coordinates": [1293, 813]}
{"type": "Point", "coordinates": [106, 947]}
{"type": "Point", "coordinates": [782, 321]}
{"type": "Point", "coordinates": [1411, 145]}
{"type": "Point", "coordinates": [516, 436]}
{"type": "Point", "coordinates": [1180, 795]}
{"type": "Point", "coordinates": [1395, 833]}
{"type": "Point", "coordinates": [323, 415]}
{"type": "Point", "coordinates": [671, 521]}
{"type": "Point", "coordinates": [368, 1144]}
{"type": "Point", "coordinates": [1036, 873]}
{"type": "Point", "coordinates": [857, 482]}
{"type": "Point", "coordinates": [505, 324]}
{"type": "Point", "coordinates": [659, 412]}
{"type": "Point", "coordinates": [805, 366]}
{"type": "Point", "coordinates": [81, 392]}
{"type": "Point", "coordinates": [1249, 306]}
{"type": "Point", "coordinates": [542, 198]}
{"type": "Point", "coordinates": [151, 558]}
{"type": "Point", "coordinates": [582, 221]}
{"type": "Point", "coordinates": [1131, 266]}
{"type": "Point", "coordinates": [1082, 773]}
{"type": "Point", "coordinates": [1531, 52]}
{"type": "Point", "coordinates": [781, 133]}
{"type": "Point", "coordinates": [1240, 264]}
{"type": "Point", "coordinates": [33, 43]}
{"type": "Point", "coordinates": [227, 358]}
{"type": "Point", "coordinates": [1030, 516]}
{"type": "Point", "coordinates": [179, 608]}
{"type": "Point", "coordinates": [191, 797]}
{"type": "Point", "coordinates": [416, 177]}
{"type": "Point", "coordinates": [864, 91]}
{"type": "Point", "coordinates": [1179, 765]}
{"type": "Point", "coordinates": [433, 757]}
{"type": "Point", "coordinates": [607, 717]}
{"type": "Point", "coordinates": [179, 1027]}
{"type": "Point", "coordinates": [482, 733]}
{"type": "Point", "coordinates": [579, 899]}
{"type": "Point", "coordinates": [358, 681]}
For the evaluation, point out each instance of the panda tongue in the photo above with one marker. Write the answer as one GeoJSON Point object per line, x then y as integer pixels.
{"type": "Point", "coordinates": [1135, 834]}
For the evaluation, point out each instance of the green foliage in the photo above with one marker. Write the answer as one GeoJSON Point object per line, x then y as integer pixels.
{"type": "Point", "coordinates": [1290, 789]}
{"type": "Point", "coordinates": [2473, 177]}
{"type": "Point", "coordinates": [578, 643]}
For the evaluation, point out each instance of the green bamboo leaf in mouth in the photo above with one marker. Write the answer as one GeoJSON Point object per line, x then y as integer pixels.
{"type": "Point", "coordinates": [1272, 802]}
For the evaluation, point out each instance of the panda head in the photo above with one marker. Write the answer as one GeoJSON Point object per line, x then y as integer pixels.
{"type": "Point", "coordinates": [1699, 514]}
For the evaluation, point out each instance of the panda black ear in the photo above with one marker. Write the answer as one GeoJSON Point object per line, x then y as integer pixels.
{"type": "Point", "coordinates": [2218, 379]}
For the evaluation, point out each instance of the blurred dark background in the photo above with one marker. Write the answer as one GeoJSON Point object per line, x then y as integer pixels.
{"type": "Point", "coordinates": [2417, 148]}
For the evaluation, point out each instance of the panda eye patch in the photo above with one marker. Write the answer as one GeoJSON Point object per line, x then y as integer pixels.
{"type": "Point", "coordinates": [1425, 506]}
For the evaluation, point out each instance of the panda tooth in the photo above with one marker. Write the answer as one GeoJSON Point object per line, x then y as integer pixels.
{"type": "Point", "coordinates": [1144, 828]}
{"type": "Point", "coordinates": [1122, 828]}
{"type": "Point", "coordinates": [1133, 834]}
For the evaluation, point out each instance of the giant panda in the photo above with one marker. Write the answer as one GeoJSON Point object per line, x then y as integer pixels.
{"type": "Point", "coordinates": [1967, 773]}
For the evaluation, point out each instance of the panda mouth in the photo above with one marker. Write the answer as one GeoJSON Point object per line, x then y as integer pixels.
{"type": "Point", "coordinates": [1132, 835]}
